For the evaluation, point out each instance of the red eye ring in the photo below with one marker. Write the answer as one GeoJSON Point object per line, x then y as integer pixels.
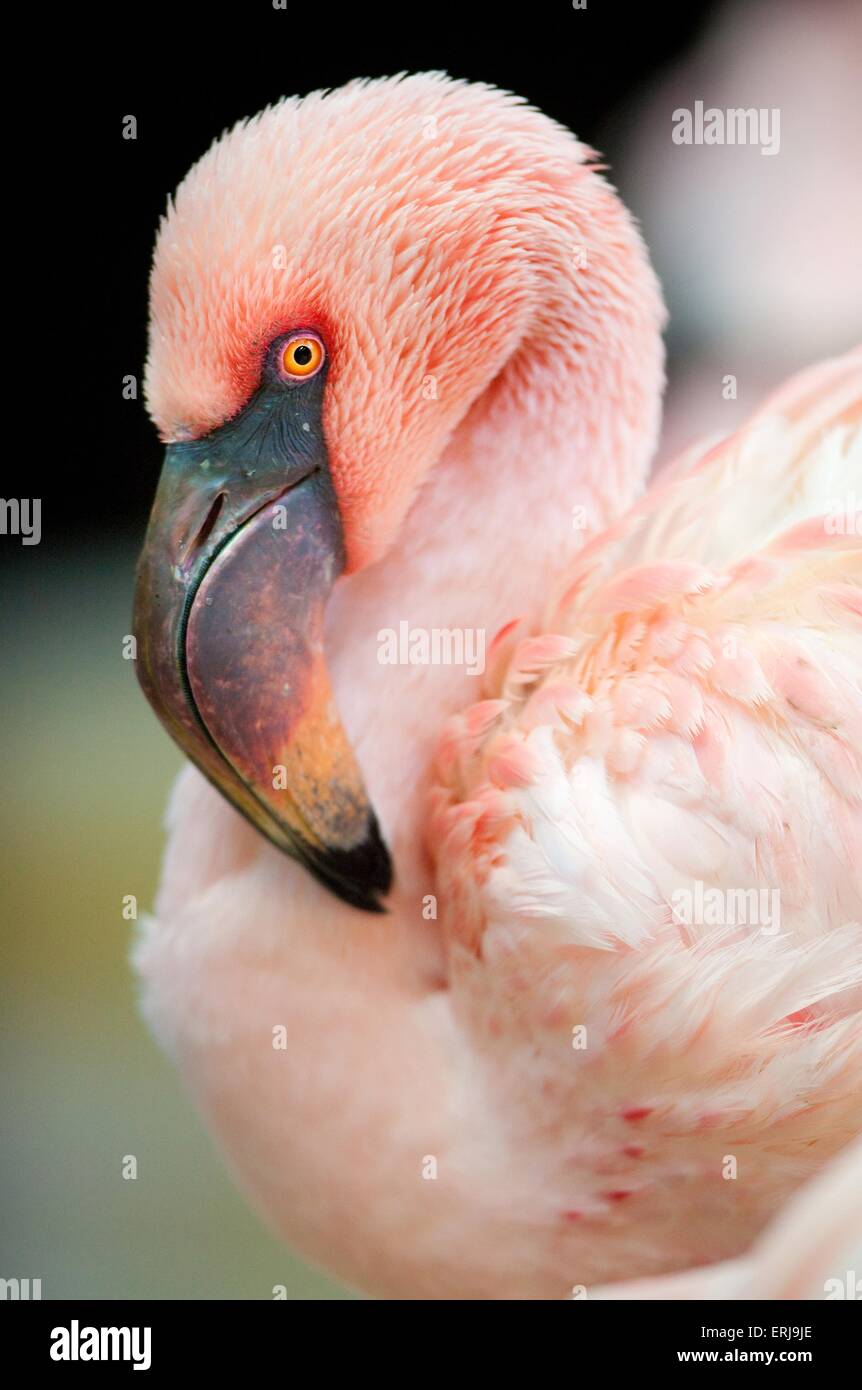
{"type": "Point", "coordinates": [301, 356]}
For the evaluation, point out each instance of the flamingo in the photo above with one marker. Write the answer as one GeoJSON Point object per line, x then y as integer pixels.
{"type": "Point", "coordinates": [418, 948]}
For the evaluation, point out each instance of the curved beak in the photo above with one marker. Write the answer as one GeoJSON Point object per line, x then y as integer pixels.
{"type": "Point", "coordinates": [243, 547]}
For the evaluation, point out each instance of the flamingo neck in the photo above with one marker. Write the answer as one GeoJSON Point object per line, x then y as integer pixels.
{"type": "Point", "coordinates": [543, 459]}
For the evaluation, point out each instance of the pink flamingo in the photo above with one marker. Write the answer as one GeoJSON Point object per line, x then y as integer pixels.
{"type": "Point", "coordinates": [405, 352]}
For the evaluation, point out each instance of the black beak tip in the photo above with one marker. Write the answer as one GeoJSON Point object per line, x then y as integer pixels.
{"type": "Point", "coordinates": [360, 876]}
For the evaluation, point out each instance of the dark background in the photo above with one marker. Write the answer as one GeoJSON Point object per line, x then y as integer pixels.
{"type": "Point", "coordinates": [191, 71]}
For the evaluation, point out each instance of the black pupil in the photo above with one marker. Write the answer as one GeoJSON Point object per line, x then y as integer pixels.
{"type": "Point", "coordinates": [302, 355]}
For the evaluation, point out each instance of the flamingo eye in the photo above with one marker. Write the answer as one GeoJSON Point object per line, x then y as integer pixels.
{"type": "Point", "coordinates": [301, 356]}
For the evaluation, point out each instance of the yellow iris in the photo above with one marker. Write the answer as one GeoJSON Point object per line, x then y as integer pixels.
{"type": "Point", "coordinates": [302, 356]}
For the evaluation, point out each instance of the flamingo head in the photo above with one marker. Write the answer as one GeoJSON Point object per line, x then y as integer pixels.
{"type": "Point", "coordinates": [335, 285]}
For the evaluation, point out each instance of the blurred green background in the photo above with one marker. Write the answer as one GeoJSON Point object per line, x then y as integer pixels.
{"type": "Point", "coordinates": [87, 771]}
